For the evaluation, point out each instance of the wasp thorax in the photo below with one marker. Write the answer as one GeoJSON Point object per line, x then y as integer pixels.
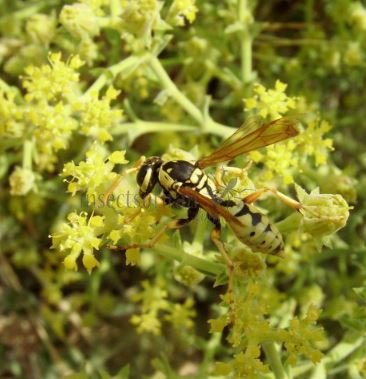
{"type": "Point", "coordinates": [148, 175]}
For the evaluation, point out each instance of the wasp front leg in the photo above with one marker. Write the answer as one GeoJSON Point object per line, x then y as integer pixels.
{"type": "Point", "coordinates": [118, 180]}
{"type": "Point", "coordinates": [176, 224]}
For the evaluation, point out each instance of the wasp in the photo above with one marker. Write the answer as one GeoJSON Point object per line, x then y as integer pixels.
{"type": "Point", "coordinates": [184, 183]}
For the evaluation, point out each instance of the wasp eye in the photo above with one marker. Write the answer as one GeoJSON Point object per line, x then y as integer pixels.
{"type": "Point", "coordinates": [142, 174]}
{"type": "Point", "coordinates": [148, 175]}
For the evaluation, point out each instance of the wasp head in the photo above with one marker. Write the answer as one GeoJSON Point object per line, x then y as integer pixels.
{"type": "Point", "coordinates": [148, 175]}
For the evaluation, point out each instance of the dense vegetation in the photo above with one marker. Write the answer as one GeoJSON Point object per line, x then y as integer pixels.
{"type": "Point", "coordinates": [87, 88]}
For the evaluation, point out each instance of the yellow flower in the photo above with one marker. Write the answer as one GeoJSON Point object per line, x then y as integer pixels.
{"type": "Point", "coordinates": [70, 262]}
{"type": "Point", "coordinates": [180, 315]}
{"type": "Point", "coordinates": [132, 257]}
{"type": "Point", "coordinates": [181, 11]}
{"type": "Point", "coordinates": [217, 325]}
{"type": "Point", "coordinates": [118, 157]}
{"type": "Point", "coordinates": [147, 323]}
{"type": "Point", "coordinates": [90, 262]}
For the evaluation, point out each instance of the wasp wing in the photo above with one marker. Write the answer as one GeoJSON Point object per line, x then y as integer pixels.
{"type": "Point", "coordinates": [246, 139]}
{"type": "Point", "coordinates": [207, 204]}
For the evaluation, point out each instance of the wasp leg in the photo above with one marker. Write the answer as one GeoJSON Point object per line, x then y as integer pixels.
{"type": "Point", "coordinates": [218, 199]}
{"type": "Point", "coordinates": [285, 199]}
{"type": "Point", "coordinates": [176, 224]}
{"type": "Point", "coordinates": [215, 236]}
{"type": "Point", "coordinates": [219, 174]}
{"type": "Point", "coordinates": [238, 172]}
{"type": "Point", "coordinates": [118, 180]}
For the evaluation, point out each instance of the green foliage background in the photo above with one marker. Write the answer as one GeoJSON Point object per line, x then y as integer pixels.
{"type": "Point", "coordinates": [84, 84]}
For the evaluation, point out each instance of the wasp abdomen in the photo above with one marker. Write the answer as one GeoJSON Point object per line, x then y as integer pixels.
{"type": "Point", "coordinates": [256, 230]}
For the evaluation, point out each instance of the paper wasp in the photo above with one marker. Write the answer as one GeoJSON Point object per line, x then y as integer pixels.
{"type": "Point", "coordinates": [184, 183]}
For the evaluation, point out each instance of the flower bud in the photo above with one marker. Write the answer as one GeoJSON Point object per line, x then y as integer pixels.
{"type": "Point", "coordinates": [70, 262]}
{"type": "Point", "coordinates": [21, 181]}
{"type": "Point", "coordinates": [323, 214]}
{"type": "Point", "coordinates": [188, 275]}
{"type": "Point", "coordinates": [41, 28]}
{"type": "Point", "coordinates": [80, 20]}
{"type": "Point", "coordinates": [358, 16]}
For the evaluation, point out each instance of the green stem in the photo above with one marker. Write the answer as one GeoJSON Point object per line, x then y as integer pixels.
{"type": "Point", "coordinates": [342, 350]}
{"type": "Point", "coordinates": [140, 127]}
{"type": "Point", "coordinates": [126, 66]}
{"type": "Point", "coordinates": [4, 86]}
{"type": "Point", "coordinates": [274, 360]}
{"type": "Point", "coordinates": [135, 129]}
{"type": "Point", "coordinates": [25, 12]}
{"type": "Point", "coordinates": [27, 154]}
{"type": "Point", "coordinates": [290, 223]}
{"type": "Point", "coordinates": [200, 264]}
{"type": "Point", "coordinates": [174, 92]}
{"type": "Point", "coordinates": [200, 232]}
{"type": "Point", "coordinates": [246, 42]}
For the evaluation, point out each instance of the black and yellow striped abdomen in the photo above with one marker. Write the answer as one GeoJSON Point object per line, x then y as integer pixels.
{"type": "Point", "coordinates": [255, 229]}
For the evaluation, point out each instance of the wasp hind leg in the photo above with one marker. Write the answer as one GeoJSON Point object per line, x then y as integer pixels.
{"type": "Point", "coordinates": [285, 199]}
{"type": "Point", "coordinates": [176, 224]}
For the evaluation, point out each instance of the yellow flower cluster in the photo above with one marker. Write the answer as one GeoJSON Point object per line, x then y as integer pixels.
{"type": "Point", "coordinates": [272, 103]}
{"type": "Point", "coordinates": [54, 108]}
{"type": "Point", "coordinates": [280, 160]}
{"type": "Point", "coordinates": [250, 328]}
{"type": "Point", "coordinates": [95, 173]}
{"type": "Point", "coordinates": [133, 224]}
{"type": "Point", "coordinates": [10, 114]}
{"type": "Point", "coordinates": [284, 160]}
{"type": "Point", "coordinates": [54, 82]}
{"type": "Point", "coordinates": [302, 335]}
{"type": "Point", "coordinates": [96, 115]}
{"type": "Point", "coordinates": [52, 127]}
{"type": "Point", "coordinates": [313, 143]}
{"type": "Point", "coordinates": [154, 304]}
{"type": "Point", "coordinates": [79, 236]}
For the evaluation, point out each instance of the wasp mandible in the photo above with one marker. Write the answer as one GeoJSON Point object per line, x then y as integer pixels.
{"type": "Point", "coordinates": [185, 184]}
